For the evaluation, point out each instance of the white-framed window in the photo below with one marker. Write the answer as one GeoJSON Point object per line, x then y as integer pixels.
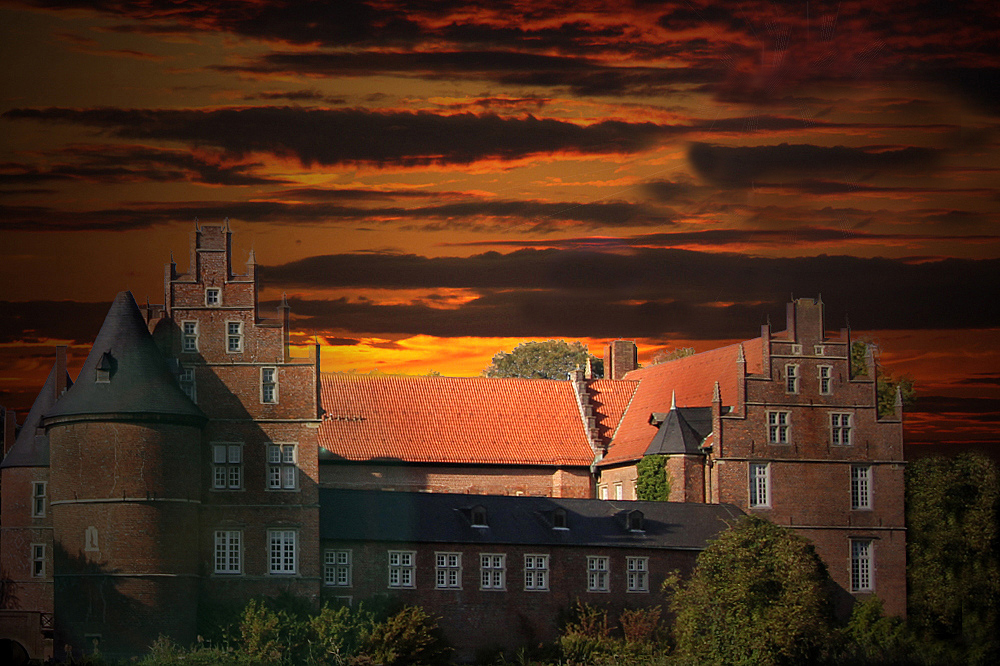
{"type": "Point", "coordinates": [861, 565]}
{"type": "Point", "coordinates": [234, 336]}
{"type": "Point", "coordinates": [840, 429]}
{"type": "Point", "coordinates": [760, 484]}
{"type": "Point", "coordinates": [536, 572]}
{"type": "Point", "coordinates": [282, 472]}
{"type": "Point", "coordinates": [602, 491]}
{"type": "Point", "coordinates": [282, 558]}
{"type": "Point", "coordinates": [38, 560]}
{"type": "Point", "coordinates": [269, 385]}
{"type": "Point", "coordinates": [448, 571]}
{"type": "Point", "coordinates": [861, 487]}
{"type": "Point", "coordinates": [38, 499]}
{"type": "Point", "coordinates": [228, 551]}
{"type": "Point", "coordinates": [402, 568]}
{"type": "Point", "coordinates": [213, 297]}
{"type": "Point", "coordinates": [825, 379]}
{"type": "Point", "coordinates": [619, 491]}
{"type": "Point", "coordinates": [337, 568]}
{"type": "Point", "coordinates": [227, 466]}
{"type": "Point", "coordinates": [188, 384]}
{"type": "Point", "coordinates": [189, 336]}
{"type": "Point", "coordinates": [597, 573]}
{"type": "Point", "coordinates": [797, 350]}
{"type": "Point", "coordinates": [779, 426]}
{"type": "Point", "coordinates": [819, 350]}
{"type": "Point", "coordinates": [492, 571]}
{"type": "Point", "coordinates": [791, 379]}
{"type": "Point", "coordinates": [637, 570]}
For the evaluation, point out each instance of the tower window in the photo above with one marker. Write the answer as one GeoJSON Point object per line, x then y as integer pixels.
{"type": "Point", "coordinates": [38, 560]}
{"type": "Point", "coordinates": [213, 296]}
{"type": "Point", "coordinates": [269, 385]}
{"type": "Point", "coordinates": [234, 336]}
{"type": "Point", "coordinates": [227, 466]}
{"type": "Point", "coordinates": [38, 499]}
{"type": "Point", "coordinates": [187, 383]}
{"type": "Point", "coordinates": [189, 336]}
{"type": "Point", "coordinates": [861, 565]}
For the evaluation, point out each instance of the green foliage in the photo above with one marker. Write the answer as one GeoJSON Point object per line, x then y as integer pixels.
{"type": "Point", "coordinates": [652, 479]}
{"type": "Point", "coordinates": [871, 637]}
{"type": "Point", "coordinates": [588, 637]}
{"type": "Point", "coordinates": [952, 544]}
{"type": "Point", "coordinates": [859, 358]}
{"type": "Point", "coordinates": [665, 356]}
{"type": "Point", "coordinates": [553, 359]}
{"type": "Point", "coordinates": [411, 636]}
{"type": "Point", "coordinates": [758, 595]}
{"type": "Point", "coordinates": [886, 385]}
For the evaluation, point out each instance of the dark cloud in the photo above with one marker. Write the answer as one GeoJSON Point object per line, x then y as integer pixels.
{"type": "Point", "coordinates": [740, 166]}
{"type": "Point", "coordinates": [31, 321]}
{"type": "Point", "coordinates": [348, 136]}
{"type": "Point", "coordinates": [341, 342]}
{"type": "Point", "coordinates": [647, 292]}
{"type": "Point", "coordinates": [982, 379]}
{"type": "Point", "coordinates": [974, 407]}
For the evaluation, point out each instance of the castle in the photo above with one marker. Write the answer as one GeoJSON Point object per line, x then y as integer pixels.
{"type": "Point", "coordinates": [196, 458]}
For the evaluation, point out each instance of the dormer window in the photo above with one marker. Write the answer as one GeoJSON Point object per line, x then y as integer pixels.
{"type": "Point", "coordinates": [104, 368]}
{"type": "Point", "coordinates": [635, 521]}
{"type": "Point", "coordinates": [559, 520]}
{"type": "Point", "coordinates": [213, 297]}
{"type": "Point", "coordinates": [479, 517]}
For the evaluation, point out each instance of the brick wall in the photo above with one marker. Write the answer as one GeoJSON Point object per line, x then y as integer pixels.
{"type": "Point", "coordinates": [20, 532]}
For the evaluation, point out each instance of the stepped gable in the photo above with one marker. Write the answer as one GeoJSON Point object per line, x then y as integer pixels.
{"type": "Point", "coordinates": [683, 430]}
{"type": "Point", "coordinates": [692, 379]}
{"type": "Point", "coordinates": [125, 377]}
{"type": "Point", "coordinates": [31, 448]}
{"type": "Point", "coordinates": [472, 420]}
{"type": "Point", "coordinates": [408, 517]}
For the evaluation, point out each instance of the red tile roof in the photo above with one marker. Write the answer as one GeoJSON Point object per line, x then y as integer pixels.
{"type": "Point", "coordinates": [692, 379]}
{"type": "Point", "coordinates": [610, 398]}
{"type": "Point", "coordinates": [472, 420]}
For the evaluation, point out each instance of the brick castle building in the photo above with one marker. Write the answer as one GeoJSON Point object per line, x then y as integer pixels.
{"type": "Point", "coordinates": [196, 458]}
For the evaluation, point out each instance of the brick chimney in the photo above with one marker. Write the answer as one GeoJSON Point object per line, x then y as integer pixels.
{"type": "Point", "coordinates": [620, 357]}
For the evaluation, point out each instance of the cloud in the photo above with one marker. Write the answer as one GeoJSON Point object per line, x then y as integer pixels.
{"type": "Point", "coordinates": [741, 166]}
{"type": "Point", "coordinates": [352, 136]}
{"type": "Point", "coordinates": [31, 321]}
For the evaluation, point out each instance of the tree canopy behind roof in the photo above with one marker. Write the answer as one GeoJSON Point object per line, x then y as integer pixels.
{"type": "Point", "coordinates": [552, 359]}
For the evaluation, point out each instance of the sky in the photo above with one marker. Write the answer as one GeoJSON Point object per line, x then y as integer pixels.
{"type": "Point", "coordinates": [433, 182]}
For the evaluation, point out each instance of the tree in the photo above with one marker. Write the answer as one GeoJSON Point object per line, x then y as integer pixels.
{"type": "Point", "coordinates": [663, 356]}
{"type": "Point", "coordinates": [759, 594]}
{"type": "Point", "coordinates": [652, 481]}
{"type": "Point", "coordinates": [886, 385]}
{"type": "Point", "coordinates": [952, 544]}
{"type": "Point", "coordinates": [553, 359]}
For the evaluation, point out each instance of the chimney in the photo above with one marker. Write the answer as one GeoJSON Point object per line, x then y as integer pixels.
{"type": "Point", "coordinates": [60, 386]}
{"type": "Point", "coordinates": [620, 357]}
{"type": "Point", "coordinates": [9, 429]}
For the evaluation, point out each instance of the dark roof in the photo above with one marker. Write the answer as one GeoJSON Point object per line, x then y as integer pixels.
{"type": "Point", "coordinates": [139, 382]}
{"type": "Point", "coordinates": [31, 448]}
{"type": "Point", "coordinates": [372, 515]}
{"type": "Point", "coordinates": [683, 430]}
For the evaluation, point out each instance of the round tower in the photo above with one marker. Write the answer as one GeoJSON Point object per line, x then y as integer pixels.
{"type": "Point", "coordinates": [124, 479]}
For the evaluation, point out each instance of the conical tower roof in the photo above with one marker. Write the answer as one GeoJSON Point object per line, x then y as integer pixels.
{"type": "Point", "coordinates": [682, 431]}
{"type": "Point", "coordinates": [125, 377]}
{"type": "Point", "coordinates": [31, 448]}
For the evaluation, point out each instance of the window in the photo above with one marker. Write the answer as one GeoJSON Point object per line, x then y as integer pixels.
{"type": "Point", "coordinates": [187, 383]}
{"type": "Point", "coordinates": [603, 491]}
{"type": "Point", "coordinates": [760, 481]}
{"type": "Point", "coordinates": [213, 296]}
{"type": "Point", "coordinates": [825, 379]}
{"type": "Point", "coordinates": [282, 551]}
{"type": "Point", "coordinates": [619, 492]}
{"type": "Point", "coordinates": [797, 350]}
{"type": "Point", "coordinates": [819, 350]}
{"type": "Point", "coordinates": [228, 559]}
{"type": "Point", "coordinates": [637, 569]}
{"type": "Point", "coordinates": [861, 487]}
{"type": "Point", "coordinates": [38, 499]}
{"type": "Point", "coordinates": [536, 572]}
{"type": "Point", "coordinates": [337, 568]}
{"type": "Point", "coordinates": [38, 560]}
{"type": "Point", "coordinates": [559, 519]}
{"type": "Point", "coordinates": [778, 425]}
{"type": "Point", "coordinates": [597, 574]}
{"type": "Point", "coordinates": [227, 466]}
{"type": "Point", "coordinates": [861, 565]}
{"type": "Point", "coordinates": [282, 474]}
{"type": "Point", "coordinates": [189, 336]}
{"type": "Point", "coordinates": [791, 379]}
{"type": "Point", "coordinates": [448, 571]}
{"type": "Point", "coordinates": [90, 540]}
{"type": "Point", "coordinates": [234, 336]}
{"type": "Point", "coordinates": [401, 568]}
{"type": "Point", "coordinates": [492, 571]}
{"type": "Point", "coordinates": [840, 429]}
{"type": "Point", "coordinates": [269, 385]}
{"type": "Point", "coordinates": [635, 521]}
{"type": "Point", "coordinates": [479, 517]}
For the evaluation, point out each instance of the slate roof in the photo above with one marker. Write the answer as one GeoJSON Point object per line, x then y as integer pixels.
{"type": "Point", "coordinates": [681, 430]}
{"type": "Point", "coordinates": [31, 448]}
{"type": "Point", "coordinates": [140, 382]}
{"type": "Point", "coordinates": [464, 420]}
{"type": "Point", "coordinates": [359, 515]}
{"type": "Point", "coordinates": [691, 379]}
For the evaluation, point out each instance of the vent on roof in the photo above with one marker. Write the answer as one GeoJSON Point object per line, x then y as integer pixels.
{"type": "Point", "coordinates": [635, 521]}
{"type": "Point", "coordinates": [479, 517]}
{"type": "Point", "coordinates": [105, 368]}
{"type": "Point", "coordinates": [559, 520]}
